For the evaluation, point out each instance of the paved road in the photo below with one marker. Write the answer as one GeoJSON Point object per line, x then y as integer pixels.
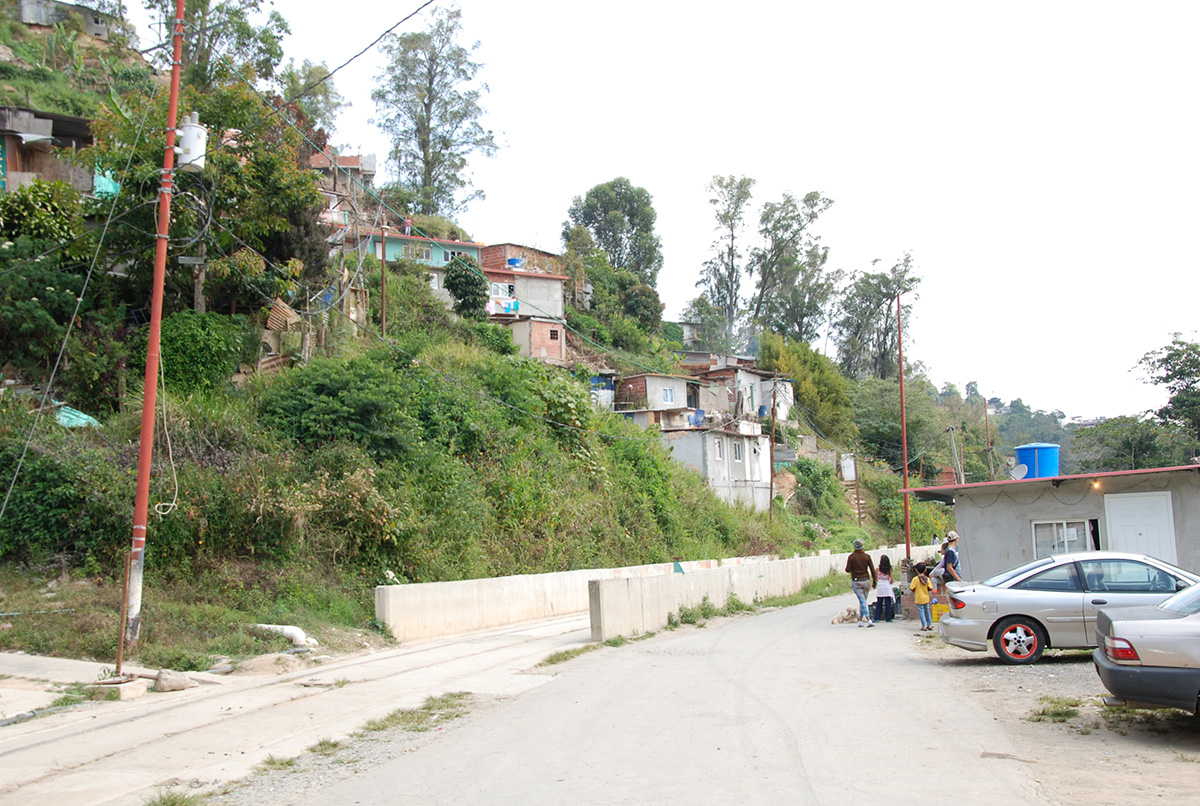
{"type": "Point", "coordinates": [120, 754]}
{"type": "Point", "coordinates": [783, 707]}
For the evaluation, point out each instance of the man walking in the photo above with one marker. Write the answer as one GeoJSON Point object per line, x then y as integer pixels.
{"type": "Point", "coordinates": [861, 569]}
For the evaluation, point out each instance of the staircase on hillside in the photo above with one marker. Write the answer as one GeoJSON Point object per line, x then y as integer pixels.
{"type": "Point", "coordinates": [854, 495]}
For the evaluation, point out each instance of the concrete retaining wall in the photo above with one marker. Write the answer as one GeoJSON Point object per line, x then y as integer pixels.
{"type": "Point", "coordinates": [431, 609]}
{"type": "Point", "coordinates": [640, 605]}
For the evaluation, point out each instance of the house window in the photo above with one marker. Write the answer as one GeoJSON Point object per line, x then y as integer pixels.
{"type": "Point", "coordinates": [717, 442]}
{"type": "Point", "coordinates": [668, 395]}
{"type": "Point", "coordinates": [1059, 537]}
{"type": "Point", "coordinates": [737, 451]}
{"type": "Point", "coordinates": [433, 281]}
{"type": "Point", "coordinates": [553, 335]}
{"type": "Point", "coordinates": [414, 251]}
{"type": "Point", "coordinates": [450, 254]}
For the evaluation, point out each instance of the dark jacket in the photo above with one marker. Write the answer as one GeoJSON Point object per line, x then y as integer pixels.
{"type": "Point", "coordinates": [860, 566]}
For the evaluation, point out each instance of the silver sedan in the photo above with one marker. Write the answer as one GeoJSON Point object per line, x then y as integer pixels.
{"type": "Point", "coordinates": [1053, 601]}
{"type": "Point", "coordinates": [1149, 657]}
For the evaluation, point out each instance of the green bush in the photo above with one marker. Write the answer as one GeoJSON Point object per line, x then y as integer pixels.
{"type": "Point", "coordinates": [328, 400]}
{"type": "Point", "coordinates": [199, 351]}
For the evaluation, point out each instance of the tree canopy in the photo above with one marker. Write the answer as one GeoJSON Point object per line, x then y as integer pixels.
{"type": "Point", "coordinates": [620, 218]}
{"type": "Point", "coordinates": [792, 287]}
{"type": "Point", "coordinates": [866, 331]}
{"type": "Point", "coordinates": [1176, 367]}
{"type": "Point", "coordinates": [722, 275]}
{"type": "Point", "coordinates": [221, 37]}
{"type": "Point", "coordinates": [430, 109]}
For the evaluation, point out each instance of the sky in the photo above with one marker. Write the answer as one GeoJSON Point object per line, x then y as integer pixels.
{"type": "Point", "coordinates": [1038, 160]}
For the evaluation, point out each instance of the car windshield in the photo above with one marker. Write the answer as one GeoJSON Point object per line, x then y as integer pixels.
{"type": "Point", "coordinates": [1187, 601]}
{"type": "Point", "coordinates": [1001, 578]}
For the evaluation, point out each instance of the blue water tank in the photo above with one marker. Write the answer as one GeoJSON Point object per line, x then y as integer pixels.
{"type": "Point", "coordinates": [762, 411]}
{"type": "Point", "coordinates": [1041, 459]}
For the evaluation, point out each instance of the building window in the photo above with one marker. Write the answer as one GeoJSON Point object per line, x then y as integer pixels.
{"type": "Point", "coordinates": [737, 451]}
{"type": "Point", "coordinates": [1060, 537]}
{"type": "Point", "coordinates": [433, 281]}
{"type": "Point", "coordinates": [450, 254]}
{"type": "Point", "coordinates": [414, 251]}
{"type": "Point", "coordinates": [717, 448]}
{"type": "Point", "coordinates": [553, 335]}
{"type": "Point", "coordinates": [668, 395]}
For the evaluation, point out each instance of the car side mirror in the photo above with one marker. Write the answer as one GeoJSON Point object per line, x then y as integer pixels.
{"type": "Point", "coordinates": [1182, 584]}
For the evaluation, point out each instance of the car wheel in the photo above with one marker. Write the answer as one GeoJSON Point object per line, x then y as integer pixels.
{"type": "Point", "coordinates": [1019, 640]}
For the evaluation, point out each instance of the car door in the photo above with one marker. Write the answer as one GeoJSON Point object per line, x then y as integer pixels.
{"type": "Point", "coordinates": [1055, 598]}
{"type": "Point", "coordinates": [1111, 583]}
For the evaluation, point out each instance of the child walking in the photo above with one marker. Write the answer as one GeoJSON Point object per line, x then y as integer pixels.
{"type": "Point", "coordinates": [922, 590]}
{"type": "Point", "coordinates": [885, 595]}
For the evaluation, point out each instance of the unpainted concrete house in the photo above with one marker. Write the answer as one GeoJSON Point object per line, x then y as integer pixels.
{"type": "Point", "coordinates": [734, 460]}
{"type": "Point", "coordinates": [1004, 524]}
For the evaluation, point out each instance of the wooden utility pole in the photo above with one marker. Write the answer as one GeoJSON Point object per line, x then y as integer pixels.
{"type": "Point", "coordinates": [149, 398]}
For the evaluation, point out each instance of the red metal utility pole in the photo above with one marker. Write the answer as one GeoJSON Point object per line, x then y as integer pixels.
{"type": "Point", "coordinates": [383, 286]}
{"type": "Point", "coordinates": [903, 438]}
{"type": "Point", "coordinates": [149, 398]}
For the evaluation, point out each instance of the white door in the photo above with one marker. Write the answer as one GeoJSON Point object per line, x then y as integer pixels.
{"type": "Point", "coordinates": [1142, 523]}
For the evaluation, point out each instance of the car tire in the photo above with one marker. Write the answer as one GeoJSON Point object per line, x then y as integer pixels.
{"type": "Point", "coordinates": [1019, 641]}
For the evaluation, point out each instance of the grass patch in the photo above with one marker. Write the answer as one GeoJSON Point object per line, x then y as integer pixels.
{"type": "Point", "coordinates": [564, 655]}
{"type": "Point", "coordinates": [1056, 709]}
{"type": "Point", "coordinates": [273, 763]}
{"type": "Point", "coordinates": [77, 693]}
{"type": "Point", "coordinates": [1159, 720]}
{"type": "Point", "coordinates": [173, 797]}
{"type": "Point", "coordinates": [418, 720]}
{"type": "Point", "coordinates": [188, 624]}
{"type": "Point", "coordinates": [832, 584]}
{"type": "Point", "coordinates": [620, 640]}
{"type": "Point", "coordinates": [326, 747]}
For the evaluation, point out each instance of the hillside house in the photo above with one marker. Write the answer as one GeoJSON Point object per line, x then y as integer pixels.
{"type": "Point", "coordinates": [344, 179]}
{"type": "Point", "coordinates": [735, 461]}
{"type": "Point", "coordinates": [1006, 523]}
{"type": "Point", "coordinates": [27, 142]}
{"type": "Point", "coordinates": [744, 391]}
{"type": "Point", "coordinates": [529, 303]}
{"type": "Point", "coordinates": [49, 12]}
{"type": "Point", "coordinates": [651, 398]}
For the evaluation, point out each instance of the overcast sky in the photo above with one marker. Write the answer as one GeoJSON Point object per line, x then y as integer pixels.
{"type": "Point", "coordinates": [1038, 160]}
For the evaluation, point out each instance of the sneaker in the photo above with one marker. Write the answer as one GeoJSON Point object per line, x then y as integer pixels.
{"type": "Point", "coordinates": [870, 623]}
{"type": "Point", "coordinates": [860, 623]}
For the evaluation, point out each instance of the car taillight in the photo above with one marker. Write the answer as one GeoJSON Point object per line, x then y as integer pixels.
{"type": "Point", "coordinates": [957, 604]}
{"type": "Point", "coordinates": [1118, 649]}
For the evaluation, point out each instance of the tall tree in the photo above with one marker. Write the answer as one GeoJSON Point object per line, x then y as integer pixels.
{"type": "Point", "coordinates": [221, 37]}
{"type": "Point", "coordinates": [620, 218]}
{"type": "Point", "coordinates": [866, 330]}
{"type": "Point", "coordinates": [722, 275]}
{"type": "Point", "coordinates": [1177, 367]}
{"type": "Point", "coordinates": [792, 288]}
{"type": "Point", "coordinates": [311, 89]}
{"type": "Point", "coordinates": [431, 112]}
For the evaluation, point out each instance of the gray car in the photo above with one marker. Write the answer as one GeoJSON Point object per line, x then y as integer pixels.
{"type": "Point", "coordinates": [1053, 601]}
{"type": "Point", "coordinates": [1149, 657]}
